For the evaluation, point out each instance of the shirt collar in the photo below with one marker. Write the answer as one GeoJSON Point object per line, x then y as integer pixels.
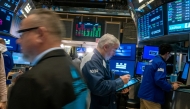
{"type": "Point", "coordinates": [38, 57]}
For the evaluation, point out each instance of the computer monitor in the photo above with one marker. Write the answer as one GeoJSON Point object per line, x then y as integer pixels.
{"type": "Point", "coordinates": [18, 59]}
{"type": "Point", "coordinates": [122, 67]}
{"type": "Point", "coordinates": [185, 72]}
{"type": "Point", "coordinates": [81, 49]}
{"type": "Point", "coordinates": [150, 52]}
{"type": "Point", "coordinates": [140, 68]}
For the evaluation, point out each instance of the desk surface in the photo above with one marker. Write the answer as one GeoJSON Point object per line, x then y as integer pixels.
{"type": "Point", "coordinates": [183, 90]}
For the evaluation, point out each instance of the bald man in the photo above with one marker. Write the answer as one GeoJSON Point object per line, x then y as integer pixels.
{"type": "Point", "coordinates": [53, 82]}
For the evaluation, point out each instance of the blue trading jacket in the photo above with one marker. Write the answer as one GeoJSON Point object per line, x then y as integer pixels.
{"type": "Point", "coordinates": [154, 82]}
{"type": "Point", "coordinates": [8, 62]}
{"type": "Point", "coordinates": [100, 81]}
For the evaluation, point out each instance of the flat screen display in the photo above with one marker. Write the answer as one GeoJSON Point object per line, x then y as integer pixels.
{"type": "Point", "coordinates": [122, 67]}
{"type": "Point", "coordinates": [178, 16]}
{"type": "Point", "coordinates": [150, 52]}
{"type": "Point", "coordinates": [185, 71]}
{"type": "Point", "coordinates": [151, 24]}
{"type": "Point", "coordinates": [5, 20]}
{"type": "Point", "coordinates": [126, 51]}
{"type": "Point", "coordinates": [18, 58]}
{"type": "Point", "coordinates": [9, 4]}
{"type": "Point", "coordinates": [140, 67]}
{"type": "Point", "coordinates": [144, 6]}
{"type": "Point", "coordinates": [88, 29]}
{"type": "Point", "coordinates": [81, 50]}
{"type": "Point", "coordinates": [10, 43]}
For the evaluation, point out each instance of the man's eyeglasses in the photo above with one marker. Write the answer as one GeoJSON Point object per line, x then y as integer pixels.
{"type": "Point", "coordinates": [28, 29]}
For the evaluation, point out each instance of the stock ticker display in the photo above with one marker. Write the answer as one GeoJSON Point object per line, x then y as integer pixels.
{"type": "Point", "coordinates": [88, 30]}
{"type": "Point", "coordinates": [151, 24]}
{"type": "Point", "coordinates": [178, 16]}
{"type": "Point", "coordinates": [5, 20]}
{"type": "Point", "coordinates": [9, 4]}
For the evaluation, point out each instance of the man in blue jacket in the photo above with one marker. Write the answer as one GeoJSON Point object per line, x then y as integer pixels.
{"type": "Point", "coordinates": [154, 83]}
{"type": "Point", "coordinates": [100, 80]}
{"type": "Point", "coordinates": [8, 60]}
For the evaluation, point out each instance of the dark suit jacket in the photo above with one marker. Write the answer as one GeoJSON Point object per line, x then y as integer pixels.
{"type": "Point", "coordinates": [48, 85]}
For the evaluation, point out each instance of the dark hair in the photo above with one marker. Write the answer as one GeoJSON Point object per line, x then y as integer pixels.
{"type": "Point", "coordinates": [164, 48]}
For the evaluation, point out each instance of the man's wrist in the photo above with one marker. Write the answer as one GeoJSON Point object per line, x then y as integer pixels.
{"type": "Point", "coordinates": [172, 87]}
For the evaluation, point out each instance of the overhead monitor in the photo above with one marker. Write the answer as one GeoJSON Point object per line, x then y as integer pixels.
{"type": "Point", "coordinates": [5, 20]}
{"type": "Point", "coordinates": [144, 6]}
{"type": "Point", "coordinates": [18, 59]}
{"type": "Point", "coordinates": [185, 71]}
{"type": "Point", "coordinates": [140, 68]}
{"type": "Point", "coordinates": [151, 24]}
{"type": "Point", "coordinates": [80, 49]}
{"type": "Point", "coordinates": [122, 67]}
{"type": "Point", "coordinates": [9, 4]}
{"type": "Point", "coordinates": [150, 52]}
{"type": "Point", "coordinates": [178, 16]}
{"type": "Point", "coordinates": [10, 42]}
{"type": "Point", "coordinates": [88, 29]}
{"type": "Point", "coordinates": [126, 51]}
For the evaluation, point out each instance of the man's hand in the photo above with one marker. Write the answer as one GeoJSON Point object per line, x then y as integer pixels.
{"type": "Point", "coordinates": [125, 78]}
{"type": "Point", "coordinates": [126, 90]}
{"type": "Point", "coordinates": [175, 85]}
{"type": "Point", "coordinates": [3, 105]}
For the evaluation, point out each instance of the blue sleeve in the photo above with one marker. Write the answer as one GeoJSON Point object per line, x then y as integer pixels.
{"type": "Point", "coordinates": [93, 73]}
{"type": "Point", "coordinates": [160, 77]}
{"type": "Point", "coordinates": [8, 60]}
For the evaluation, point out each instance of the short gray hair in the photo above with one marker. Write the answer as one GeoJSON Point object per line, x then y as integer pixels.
{"type": "Point", "coordinates": [50, 20]}
{"type": "Point", "coordinates": [109, 39]}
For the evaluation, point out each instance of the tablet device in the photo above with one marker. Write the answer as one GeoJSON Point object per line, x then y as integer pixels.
{"type": "Point", "coordinates": [131, 82]}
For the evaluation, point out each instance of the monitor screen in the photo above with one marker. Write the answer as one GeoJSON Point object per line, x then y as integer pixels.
{"type": "Point", "coordinates": [5, 20]}
{"type": "Point", "coordinates": [81, 50]}
{"type": "Point", "coordinates": [178, 16]}
{"type": "Point", "coordinates": [122, 67]}
{"type": "Point", "coordinates": [18, 58]}
{"type": "Point", "coordinates": [10, 42]}
{"type": "Point", "coordinates": [185, 71]}
{"type": "Point", "coordinates": [88, 29]}
{"type": "Point", "coordinates": [140, 67]}
{"type": "Point", "coordinates": [150, 52]}
{"type": "Point", "coordinates": [126, 51]}
{"type": "Point", "coordinates": [9, 4]}
{"type": "Point", "coordinates": [151, 24]}
{"type": "Point", "coordinates": [144, 6]}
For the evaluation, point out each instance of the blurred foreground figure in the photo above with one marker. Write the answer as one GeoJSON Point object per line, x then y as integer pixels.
{"type": "Point", "coordinates": [3, 89]}
{"type": "Point", "coordinates": [53, 82]}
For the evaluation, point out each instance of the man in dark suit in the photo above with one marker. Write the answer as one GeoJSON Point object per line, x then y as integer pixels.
{"type": "Point", "coordinates": [53, 82]}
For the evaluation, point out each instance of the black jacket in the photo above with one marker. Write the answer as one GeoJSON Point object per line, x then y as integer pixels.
{"type": "Point", "coordinates": [50, 84]}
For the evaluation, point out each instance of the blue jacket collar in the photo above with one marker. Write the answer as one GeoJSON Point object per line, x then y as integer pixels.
{"type": "Point", "coordinates": [98, 54]}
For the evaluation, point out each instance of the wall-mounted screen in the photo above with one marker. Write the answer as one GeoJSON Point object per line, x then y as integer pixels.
{"type": "Point", "coordinates": [9, 4]}
{"type": "Point", "coordinates": [150, 52]}
{"type": "Point", "coordinates": [18, 58]}
{"type": "Point", "coordinates": [122, 67]}
{"type": "Point", "coordinates": [151, 24]}
{"type": "Point", "coordinates": [5, 20]}
{"type": "Point", "coordinates": [178, 16]}
{"type": "Point", "coordinates": [80, 49]}
{"type": "Point", "coordinates": [126, 51]}
{"type": "Point", "coordinates": [140, 67]}
{"type": "Point", "coordinates": [88, 29]}
{"type": "Point", "coordinates": [10, 43]}
{"type": "Point", "coordinates": [144, 6]}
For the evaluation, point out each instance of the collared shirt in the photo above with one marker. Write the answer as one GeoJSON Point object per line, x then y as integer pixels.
{"type": "Point", "coordinates": [36, 60]}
